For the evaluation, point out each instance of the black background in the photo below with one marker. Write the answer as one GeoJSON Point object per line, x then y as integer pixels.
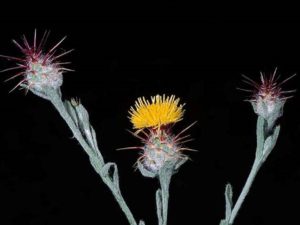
{"type": "Point", "coordinates": [46, 178]}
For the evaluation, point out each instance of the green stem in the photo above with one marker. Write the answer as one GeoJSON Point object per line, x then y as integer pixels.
{"type": "Point", "coordinates": [255, 168]}
{"type": "Point", "coordinates": [59, 105]}
{"type": "Point", "coordinates": [119, 198]}
{"type": "Point", "coordinates": [164, 181]}
{"type": "Point", "coordinates": [159, 207]}
{"type": "Point", "coordinates": [96, 159]}
{"type": "Point", "coordinates": [266, 140]}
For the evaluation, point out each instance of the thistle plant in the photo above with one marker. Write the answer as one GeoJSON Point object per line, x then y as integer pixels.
{"type": "Point", "coordinates": [41, 73]}
{"type": "Point", "coordinates": [162, 152]}
{"type": "Point", "coordinates": [40, 70]}
{"type": "Point", "coordinates": [267, 99]}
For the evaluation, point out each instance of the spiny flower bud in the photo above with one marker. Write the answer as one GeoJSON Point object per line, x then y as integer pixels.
{"type": "Point", "coordinates": [40, 70]}
{"type": "Point", "coordinates": [267, 97]}
{"type": "Point", "coordinates": [161, 149]}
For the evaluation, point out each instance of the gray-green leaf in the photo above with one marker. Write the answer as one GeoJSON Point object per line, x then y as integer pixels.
{"type": "Point", "coordinates": [271, 142]}
{"type": "Point", "coordinates": [228, 199]}
{"type": "Point", "coordinates": [260, 136]}
{"type": "Point", "coordinates": [223, 222]}
{"type": "Point", "coordinates": [110, 170]}
{"type": "Point", "coordinates": [159, 206]}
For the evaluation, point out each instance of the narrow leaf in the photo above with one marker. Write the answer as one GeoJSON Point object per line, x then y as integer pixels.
{"type": "Point", "coordinates": [159, 206]}
{"type": "Point", "coordinates": [276, 134]}
{"type": "Point", "coordinates": [94, 139]}
{"type": "Point", "coordinates": [260, 137]}
{"type": "Point", "coordinates": [270, 143]}
{"type": "Point", "coordinates": [84, 125]}
{"type": "Point", "coordinates": [267, 145]}
{"type": "Point", "coordinates": [110, 170]}
{"type": "Point", "coordinates": [228, 200]}
{"type": "Point", "coordinates": [72, 112]}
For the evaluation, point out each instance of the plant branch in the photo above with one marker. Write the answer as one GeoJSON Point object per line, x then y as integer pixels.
{"type": "Point", "coordinates": [164, 177]}
{"type": "Point", "coordinates": [87, 140]}
{"type": "Point", "coordinates": [255, 168]}
{"type": "Point", "coordinates": [266, 137]}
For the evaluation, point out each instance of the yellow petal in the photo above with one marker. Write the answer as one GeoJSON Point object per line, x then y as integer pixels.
{"type": "Point", "coordinates": [160, 111]}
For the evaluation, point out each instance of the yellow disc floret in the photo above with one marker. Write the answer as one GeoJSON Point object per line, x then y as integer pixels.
{"type": "Point", "coordinates": [160, 111]}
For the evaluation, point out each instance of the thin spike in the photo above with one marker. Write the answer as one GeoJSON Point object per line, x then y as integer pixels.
{"type": "Point", "coordinates": [17, 85]}
{"type": "Point", "coordinates": [34, 41]}
{"type": "Point", "coordinates": [55, 46]}
{"type": "Point", "coordinates": [180, 156]}
{"type": "Point", "coordinates": [290, 91]}
{"type": "Point", "coordinates": [11, 68]}
{"type": "Point", "coordinates": [251, 84]}
{"type": "Point", "coordinates": [26, 42]}
{"type": "Point", "coordinates": [12, 58]}
{"type": "Point", "coordinates": [65, 53]}
{"type": "Point", "coordinates": [188, 149]}
{"type": "Point", "coordinates": [66, 69]}
{"type": "Point", "coordinates": [290, 77]}
{"type": "Point", "coordinates": [181, 138]}
{"type": "Point", "coordinates": [249, 79]}
{"type": "Point", "coordinates": [46, 37]}
{"type": "Point", "coordinates": [137, 136]}
{"type": "Point", "coordinates": [61, 63]}
{"type": "Point", "coordinates": [48, 56]}
{"type": "Point", "coordinates": [273, 75]}
{"type": "Point", "coordinates": [185, 129]}
{"type": "Point", "coordinates": [18, 45]}
{"type": "Point", "coordinates": [21, 65]}
{"type": "Point", "coordinates": [242, 89]}
{"type": "Point", "coordinates": [27, 88]}
{"type": "Point", "coordinates": [188, 140]}
{"type": "Point", "coordinates": [17, 75]}
{"type": "Point", "coordinates": [287, 97]}
{"type": "Point", "coordinates": [42, 41]}
{"type": "Point", "coordinates": [129, 148]}
{"type": "Point", "coordinates": [262, 78]}
{"type": "Point", "coordinates": [277, 78]}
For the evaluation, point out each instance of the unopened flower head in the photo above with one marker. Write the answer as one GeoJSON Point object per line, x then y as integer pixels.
{"type": "Point", "coordinates": [267, 97]}
{"type": "Point", "coordinates": [153, 120]}
{"type": "Point", "coordinates": [38, 68]}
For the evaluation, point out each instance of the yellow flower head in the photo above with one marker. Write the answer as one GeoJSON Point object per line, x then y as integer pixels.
{"type": "Point", "coordinates": [161, 111]}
